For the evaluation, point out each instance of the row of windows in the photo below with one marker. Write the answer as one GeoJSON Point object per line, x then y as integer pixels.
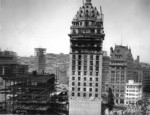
{"type": "Point", "coordinates": [118, 62]}
{"type": "Point", "coordinates": [85, 89]}
{"type": "Point", "coordinates": [131, 86]}
{"type": "Point", "coordinates": [118, 72]}
{"type": "Point", "coordinates": [85, 78]}
{"type": "Point", "coordinates": [86, 23]}
{"type": "Point", "coordinates": [132, 90]}
{"type": "Point", "coordinates": [131, 98]}
{"type": "Point", "coordinates": [118, 81]}
{"type": "Point", "coordinates": [85, 68]}
{"type": "Point", "coordinates": [79, 57]}
{"type": "Point", "coordinates": [85, 73]}
{"type": "Point", "coordinates": [121, 101]}
{"type": "Point", "coordinates": [118, 68]}
{"type": "Point", "coordinates": [132, 94]}
{"type": "Point", "coordinates": [119, 57]}
{"type": "Point", "coordinates": [85, 50]}
{"type": "Point", "coordinates": [84, 94]}
{"type": "Point", "coordinates": [117, 75]}
{"type": "Point", "coordinates": [118, 86]}
{"type": "Point", "coordinates": [84, 63]}
{"type": "Point", "coordinates": [85, 84]}
{"type": "Point", "coordinates": [85, 45]}
{"type": "Point", "coordinates": [117, 90]}
{"type": "Point", "coordinates": [96, 31]}
{"type": "Point", "coordinates": [130, 102]}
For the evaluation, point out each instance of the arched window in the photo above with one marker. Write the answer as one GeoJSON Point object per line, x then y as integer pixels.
{"type": "Point", "coordinates": [74, 32]}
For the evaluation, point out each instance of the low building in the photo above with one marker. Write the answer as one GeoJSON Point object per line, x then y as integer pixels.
{"type": "Point", "coordinates": [7, 57]}
{"type": "Point", "coordinates": [10, 67]}
{"type": "Point", "coordinates": [13, 69]}
{"type": "Point", "coordinates": [133, 92]}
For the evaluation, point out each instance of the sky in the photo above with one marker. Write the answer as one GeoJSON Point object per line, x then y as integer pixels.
{"type": "Point", "coordinates": [28, 24]}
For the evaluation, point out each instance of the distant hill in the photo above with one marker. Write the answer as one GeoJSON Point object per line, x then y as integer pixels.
{"type": "Point", "coordinates": [53, 61]}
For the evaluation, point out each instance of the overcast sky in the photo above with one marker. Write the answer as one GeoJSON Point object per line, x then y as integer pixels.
{"type": "Point", "coordinates": [27, 24]}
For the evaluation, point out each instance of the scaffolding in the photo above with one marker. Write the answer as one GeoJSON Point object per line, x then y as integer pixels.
{"type": "Point", "coordinates": [33, 94]}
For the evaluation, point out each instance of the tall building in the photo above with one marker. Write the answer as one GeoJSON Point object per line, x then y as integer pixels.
{"type": "Point", "coordinates": [9, 67]}
{"type": "Point", "coordinates": [121, 71]}
{"type": "Point", "coordinates": [40, 59]}
{"type": "Point", "coordinates": [86, 39]}
{"type": "Point", "coordinates": [137, 71]}
{"type": "Point", "coordinates": [105, 72]}
{"type": "Point", "coordinates": [146, 82]}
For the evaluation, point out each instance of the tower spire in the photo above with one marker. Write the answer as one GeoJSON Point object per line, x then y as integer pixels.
{"type": "Point", "coordinates": [88, 2]}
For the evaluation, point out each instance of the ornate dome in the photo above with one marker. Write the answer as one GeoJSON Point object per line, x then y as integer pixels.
{"type": "Point", "coordinates": [87, 11]}
{"type": "Point", "coordinates": [87, 20]}
{"type": "Point", "coordinates": [87, 31]}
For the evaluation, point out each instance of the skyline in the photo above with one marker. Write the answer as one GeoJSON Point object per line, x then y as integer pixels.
{"type": "Point", "coordinates": [27, 24]}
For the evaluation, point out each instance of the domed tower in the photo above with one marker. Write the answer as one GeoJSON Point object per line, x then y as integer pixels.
{"type": "Point", "coordinates": [86, 39]}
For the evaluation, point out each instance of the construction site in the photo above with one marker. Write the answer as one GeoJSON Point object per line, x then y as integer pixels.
{"type": "Point", "coordinates": [32, 94]}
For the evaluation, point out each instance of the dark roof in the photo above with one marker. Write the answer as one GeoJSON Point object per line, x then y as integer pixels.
{"type": "Point", "coordinates": [30, 77]}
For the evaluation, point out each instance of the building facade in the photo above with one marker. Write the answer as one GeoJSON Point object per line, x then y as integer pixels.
{"type": "Point", "coordinates": [105, 72]}
{"type": "Point", "coordinates": [40, 60]}
{"type": "Point", "coordinates": [9, 67]}
{"type": "Point", "coordinates": [8, 57]}
{"type": "Point", "coordinates": [137, 71]}
{"type": "Point", "coordinates": [85, 75]}
{"type": "Point", "coordinates": [133, 92]}
{"type": "Point", "coordinates": [120, 71]}
{"type": "Point", "coordinates": [13, 69]}
{"type": "Point", "coordinates": [146, 82]}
